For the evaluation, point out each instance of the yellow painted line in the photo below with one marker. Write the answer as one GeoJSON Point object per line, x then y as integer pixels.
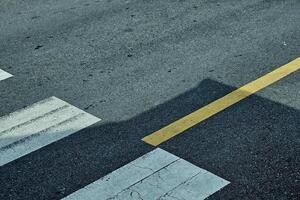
{"type": "Point", "coordinates": [217, 106]}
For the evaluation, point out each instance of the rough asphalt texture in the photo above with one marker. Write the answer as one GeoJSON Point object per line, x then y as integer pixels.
{"type": "Point", "coordinates": [142, 64]}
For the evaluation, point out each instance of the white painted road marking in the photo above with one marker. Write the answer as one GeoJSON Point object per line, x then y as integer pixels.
{"type": "Point", "coordinates": [156, 175]}
{"type": "Point", "coordinates": [4, 75]}
{"type": "Point", "coordinates": [38, 125]}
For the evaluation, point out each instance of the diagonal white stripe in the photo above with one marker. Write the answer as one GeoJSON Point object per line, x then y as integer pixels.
{"type": "Point", "coordinates": [198, 187]}
{"type": "Point", "coordinates": [156, 175]}
{"type": "Point", "coordinates": [38, 125]}
{"type": "Point", "coordinates": [130, 174]}
{"type": "Point", "coordinates": [27, 114]}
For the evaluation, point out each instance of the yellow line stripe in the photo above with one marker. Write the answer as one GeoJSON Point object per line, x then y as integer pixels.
{"type": "Point", "coordinates": [213, 108]}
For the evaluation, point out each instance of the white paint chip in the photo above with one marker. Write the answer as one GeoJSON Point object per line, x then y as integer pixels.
{"type": "Point", "coordinates": [38, 125]}
{"type": "Point", "coordinates": [156, 175]}
{"type": "Point", "coordinates": [4, 75]}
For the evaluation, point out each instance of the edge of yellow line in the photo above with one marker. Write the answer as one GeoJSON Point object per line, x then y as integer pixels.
{"type": "Point", "coordinates": [219, 105]}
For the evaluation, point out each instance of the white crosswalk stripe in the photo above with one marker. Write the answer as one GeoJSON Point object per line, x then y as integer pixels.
{"type": "Point", "coordinates": [4, 75]}
{"type": "Point", "coordinates": [44, 122]}
{"type": "Point", "coordinates": [156, 175]}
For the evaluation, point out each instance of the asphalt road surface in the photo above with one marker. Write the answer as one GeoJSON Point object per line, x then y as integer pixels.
{"type": "Point", "coordinates": [139, 65]}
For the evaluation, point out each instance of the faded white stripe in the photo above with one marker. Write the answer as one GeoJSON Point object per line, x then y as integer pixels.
{"type": "Point", "coordinates": [198, 187]}
{"type": "Point", "coordinates": [130, 174]}
{"type": "Point", "coordinates": [157, 175]}
{"type": "Point", "coordinates": [27, 114]}
{"type": "Point", "coordinates": [4, 75]}
{"type": "Point", "coordinates": [36, 126]}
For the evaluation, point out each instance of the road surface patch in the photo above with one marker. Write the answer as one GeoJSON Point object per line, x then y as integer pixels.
{"type": "Point", "coordinates": [219, 105]}
{"type": "Point", "coordinates": [156, 175]}
{"type": "Point", "coordinates": [38, 125]}
{"type": "Point", "coordinates": [4, 75]}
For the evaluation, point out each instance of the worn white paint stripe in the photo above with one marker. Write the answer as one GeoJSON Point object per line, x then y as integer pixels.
{"type": "Point", "coordinates": [198, 187]}
{"type": "Point", "coordinates": [161, 182]}
{"type": "Point", "coordinates": [36, 126]}
{"type": "Point", "coordinates": [4, 75]}
{"type": "Point", "coordinates": [44, 122]}
{"type": "Point", "coordinates": [27, 114]}
{"type": "Point", "coordinates": [130, 174]}
{"type": "Point", "coordinates": [157, 175]}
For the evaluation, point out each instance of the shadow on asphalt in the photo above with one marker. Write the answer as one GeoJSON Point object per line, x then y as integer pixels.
{"type": "Point", "coordinates": [253, 144]}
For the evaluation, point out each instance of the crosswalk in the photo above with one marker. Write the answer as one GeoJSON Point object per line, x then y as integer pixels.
{"type": "Point", "coordinates": [38, 125]}
{"type": "Point", "coordinates": [156, 175]}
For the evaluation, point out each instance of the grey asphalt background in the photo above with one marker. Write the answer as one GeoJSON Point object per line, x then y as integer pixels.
{"type": "Point", "coordinates": [139, 65]}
